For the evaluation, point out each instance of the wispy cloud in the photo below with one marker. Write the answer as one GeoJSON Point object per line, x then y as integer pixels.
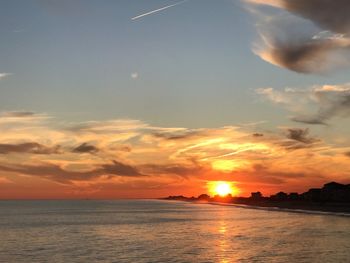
{"type": "Point", "coordinates": [157, 10]}
{"type": "Point", "coordinates": [132, 154]}
{"type": "Point", "coordinates": [59, 174]}
{"type": "Point", "coordinates": [17, 114]}
{"type": "Point", "coordinates": [29, 147]}
{"type": "Point", "coordinates": [326, 102]}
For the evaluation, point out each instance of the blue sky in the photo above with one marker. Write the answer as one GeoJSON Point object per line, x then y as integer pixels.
{"type": "Point", "coordinates": [194, 62]}
{"type": "Point", "coordinates": [94, 104]}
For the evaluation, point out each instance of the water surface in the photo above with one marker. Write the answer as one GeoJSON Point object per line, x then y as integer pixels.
{"type": "Point", "coordinates": [166, 231]}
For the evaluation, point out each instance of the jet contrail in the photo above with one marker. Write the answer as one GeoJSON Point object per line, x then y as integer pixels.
{"type": "Point", "coordinates": [157, 10]}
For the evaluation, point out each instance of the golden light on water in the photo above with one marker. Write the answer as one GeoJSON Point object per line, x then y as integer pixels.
{"type": "Point", "coordinates": [221, 188]}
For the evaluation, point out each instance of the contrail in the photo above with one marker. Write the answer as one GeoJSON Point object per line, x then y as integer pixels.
{"type": "Point", "coordinates": [157, 10]}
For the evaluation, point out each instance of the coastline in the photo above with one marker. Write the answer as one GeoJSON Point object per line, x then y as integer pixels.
{"type": "Point", "coordinates": [333, 198]}
{"type": "Point", "coordinates": [309, 208]}
{"type": "Point", "coordinates": [315, 210]}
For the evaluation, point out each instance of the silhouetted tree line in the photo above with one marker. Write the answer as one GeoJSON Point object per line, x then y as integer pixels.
{"type": "Point", "coordinates": [330, 192]}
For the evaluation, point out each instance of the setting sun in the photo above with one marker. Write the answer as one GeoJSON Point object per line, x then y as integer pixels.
{"type": "Point", "coordinates": [221, 188]}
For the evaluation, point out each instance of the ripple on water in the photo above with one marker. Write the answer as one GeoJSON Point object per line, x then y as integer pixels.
{"type": "Point", "coordinates": [160, 231]}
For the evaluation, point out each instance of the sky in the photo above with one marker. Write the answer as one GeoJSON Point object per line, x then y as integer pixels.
{"type": "Point", "coordinates": [141, 99]}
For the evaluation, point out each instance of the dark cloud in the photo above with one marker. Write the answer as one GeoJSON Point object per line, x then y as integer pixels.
{"type": "Point", "coordinates": [300, 135]}
{"type": "Point", "coordinates": [258, 135]}
{"type": "Point", "coordinates": [347, 154]}
{"type": "Point", "coordinates": [18, 114]}
{"type": "Point", "coordinates": [307, 56]}
{"type": "Point", "coordinates": [328, 14]}
{"type": "Point", "coordinates": [85, 148]}
{"type": "Point", "coordinates": [298, 139]}
{"type": "Point", "coordinates": [58, 174]}
{"type": "Point", "coordinates": [177, 135]}
{"type": "Point", "coordinates": [118, 168]}
{"type": "Point", "coordinates": [30, 147]}
{"type": "Point", "coordinates": [313, 120]}
{"type": "Point", "coordinates": [51, 172]}
{"type": "Point", "coordinates": [321, 49]}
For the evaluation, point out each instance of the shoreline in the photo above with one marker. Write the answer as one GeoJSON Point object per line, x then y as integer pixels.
{"type": "Point", "coordinates": [313, 208]}
{"type": "Point", "coordinates": [284, 209]}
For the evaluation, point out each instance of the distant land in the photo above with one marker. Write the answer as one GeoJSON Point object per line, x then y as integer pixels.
{"type": "Point", "coordinates": [332, 197]}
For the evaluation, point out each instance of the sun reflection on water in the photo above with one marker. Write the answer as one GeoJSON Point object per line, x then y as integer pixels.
{"type": "Point", "coordinates": [223, 242]}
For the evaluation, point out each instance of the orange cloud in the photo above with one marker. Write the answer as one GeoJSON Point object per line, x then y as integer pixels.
{"type": "Point", "coordinates": [130, 158]}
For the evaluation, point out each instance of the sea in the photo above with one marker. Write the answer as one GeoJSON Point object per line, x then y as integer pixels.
{"type": "Point", "coordinates": [133, 231]}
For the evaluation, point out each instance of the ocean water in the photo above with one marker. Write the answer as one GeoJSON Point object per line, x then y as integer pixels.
{"type": "Point", "coordinates": [166, 231]}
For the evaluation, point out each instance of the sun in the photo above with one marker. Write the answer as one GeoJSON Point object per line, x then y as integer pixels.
{"type": "Point", "coordinates": [221, 188]}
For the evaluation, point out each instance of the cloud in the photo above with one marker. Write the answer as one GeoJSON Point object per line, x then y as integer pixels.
{"type": "Point", "coordinates": [262, 174]}
{"type": "Point", "coordinates": [49, 171]}
{"type": "Point", "coordinates": [58, 174]}
{"type": "Point", "coordinates": [179, 135]}
{"type": "Point", "coordinates": [118, 168]}
{"type": "Point", "coordinates": [29, 147]}
{"type": "Point", "coordinates": [327, 102]}
{"type": "Point", "coordinates": [17, 114]}
{"type": "Point", "coordinates": [134, 75]}
{"type": "Point", "coordinates": [331, 15]}
{"type": "Point", "coordinates": [300, 135]}
{"type": "Point", "coordinates": [112, 126]}
{"type": "Point", "coordinates": [182, 170]}
{"type": "Point", "coordinates": [307, 56]}
{"type": "Point", "coordinates": [23, 117]}
{"type": "Point", "coordinates": [298, 139]}
{"type": "Point", "coordinates": [4, 75]}
{"type": "Point", "coordinates": [85, 148]}
{"type": "Point", "coordinates": [166, 158]}
{"type": "Point", "coordinates": [316, 42]}
{"type": "Point", "coordinates": [312, 120]}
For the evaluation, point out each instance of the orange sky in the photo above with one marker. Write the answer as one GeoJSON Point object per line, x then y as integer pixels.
{"type": "Point", "coordinates": [42, 158]}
